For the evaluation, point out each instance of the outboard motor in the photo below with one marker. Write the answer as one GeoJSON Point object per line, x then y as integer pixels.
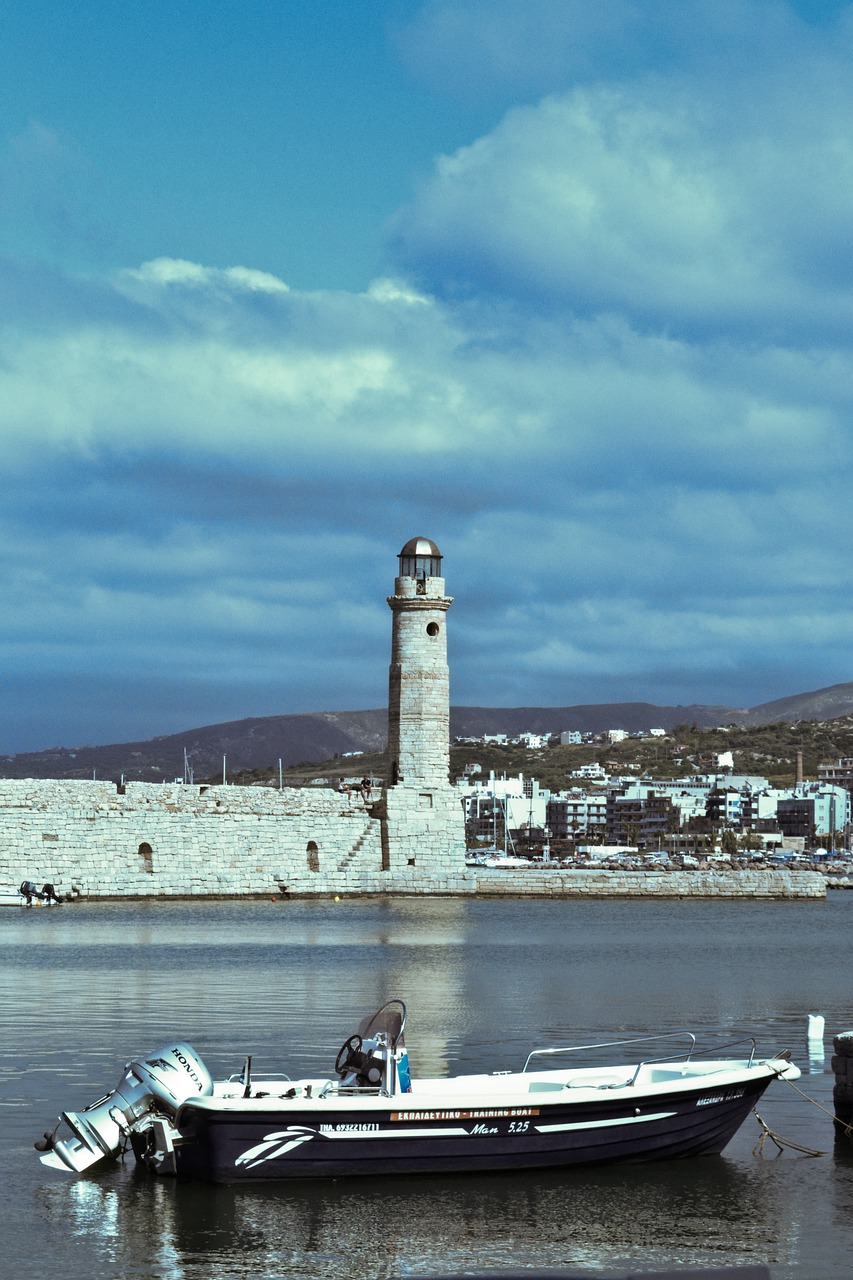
{"type": "Point", "coordinates": [159, 1083]}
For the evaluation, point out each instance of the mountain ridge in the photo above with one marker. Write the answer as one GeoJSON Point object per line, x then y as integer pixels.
{"type": "Point", "coordinates": [259, 742]}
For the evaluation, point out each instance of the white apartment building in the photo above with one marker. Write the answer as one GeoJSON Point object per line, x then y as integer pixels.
{"type": "Point", "coordinates": [594, 772]}
{"type": "Point", "coordinates": [516, 803]}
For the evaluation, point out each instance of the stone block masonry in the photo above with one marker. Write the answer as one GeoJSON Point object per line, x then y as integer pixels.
{"type": "Point", "coordinates": [418, 683]}
{"type": "Point", "coordinates": [173, 841]}
{"type": "Point", "coordinates": [842, 1093]}
{"type": "Point", "coordinates": [186, 841]}
{"type": "Point", "coordinates": [547, 883]}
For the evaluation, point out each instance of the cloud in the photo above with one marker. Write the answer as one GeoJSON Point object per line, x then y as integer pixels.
{"type": "Point", "coordinates": [608, 370]}
{"type": "Point", "coordinates": [482, 47]}
{"type": "Point", "coordinates": [176, 271]}
{"type": "Point", "coordinates": [209, 487]}
{"type": "Point", "coordinates": [652, 203]}
{"type": "Point", "coordinates": [498, 50]}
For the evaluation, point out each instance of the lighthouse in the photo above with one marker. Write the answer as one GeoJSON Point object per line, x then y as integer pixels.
{"type": "Point", "coordinates": [424, 826]}
{"type": "Point", "coordinates": [419, 679]}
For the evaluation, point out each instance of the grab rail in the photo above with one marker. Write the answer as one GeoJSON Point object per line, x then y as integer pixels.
{"type": "Point", "coordinates": [665, 1035]}
{"type": "Point", "coordinates": [612, 1044]}
{"type": "Point", "coordinates": [731, 1044]}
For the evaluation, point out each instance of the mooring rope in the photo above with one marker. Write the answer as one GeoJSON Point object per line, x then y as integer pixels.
{"type": "Point", "coordinates": [780, 1142]}
{"type": "Point", "coordinates": [846, 1129]}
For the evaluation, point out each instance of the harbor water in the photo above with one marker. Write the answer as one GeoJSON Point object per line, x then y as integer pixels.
{"type": "Point", "coordinates": [87, 986]}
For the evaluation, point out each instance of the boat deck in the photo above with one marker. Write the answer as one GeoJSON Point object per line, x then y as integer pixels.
{"type": "Point", "coordinates": [498, 1089]}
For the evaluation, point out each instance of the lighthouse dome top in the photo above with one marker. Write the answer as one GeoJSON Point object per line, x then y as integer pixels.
{"type": "Point", "coordinates": [420, 558]}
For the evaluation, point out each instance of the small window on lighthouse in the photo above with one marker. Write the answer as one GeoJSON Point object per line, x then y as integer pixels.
{"type": "Point", "coordinates": [432, 629]}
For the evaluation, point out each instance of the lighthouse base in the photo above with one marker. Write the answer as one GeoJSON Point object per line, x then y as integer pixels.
{"type": "Point", "coordinates": [423, 835]}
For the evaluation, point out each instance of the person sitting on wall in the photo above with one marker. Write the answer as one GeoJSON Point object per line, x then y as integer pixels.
{"type": "Point", "coordinates": [343, 789]}
{"type": "Point", "coordinates": [366, 789]}
{"type": "Point", "coordinates": [49, 894]}
{"type": "Point", "coordinates": [29, 891]}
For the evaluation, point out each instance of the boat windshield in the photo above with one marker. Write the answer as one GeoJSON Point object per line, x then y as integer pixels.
{"type": "Point", "coordinates": [390, 1020]}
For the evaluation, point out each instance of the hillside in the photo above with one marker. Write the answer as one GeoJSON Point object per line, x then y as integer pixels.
{"type": "Point", "coordinates": [822, 704]}
{"type": "Point", "coordinates": [259, 743]}
{"type": "Point", "coordinates": [246, 744]}
{"type": "Point", "coordinates": [474, 722]}
{"type": "Point", "coordinates": [768, 751]}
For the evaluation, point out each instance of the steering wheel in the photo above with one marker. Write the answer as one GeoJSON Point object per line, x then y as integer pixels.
{"type": "Point", "coordinates": [346, 1052]}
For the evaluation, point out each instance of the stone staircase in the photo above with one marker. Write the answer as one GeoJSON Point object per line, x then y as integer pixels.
{"type": "Point", "coordinates": [347, 859]}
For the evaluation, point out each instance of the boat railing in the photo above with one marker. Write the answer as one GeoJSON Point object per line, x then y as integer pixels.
{"type": "Point", "coordinates": [239, 1077]}
{"type": "Point", "coordinates": [730, 1044]}
{"type": "Point", "coordinates": [715, 1049]}
{"type": "Point", "coordinates": [684, 1036]}
{"type": "Point", "coordinates": [613, 1044]}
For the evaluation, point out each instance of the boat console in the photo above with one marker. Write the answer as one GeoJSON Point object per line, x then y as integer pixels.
{"type": "Point", "coordinates": [375, 1058]}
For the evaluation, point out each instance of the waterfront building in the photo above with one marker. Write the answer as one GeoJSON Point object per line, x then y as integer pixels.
{"type": "Point", "coordinates": [498, 807]}
{"type": "Point", "coordinates": [640, 815]}
{"type": "Point", "coordinates": [573, 815]}
{"type": "Point", "coordinates": [814, 811]}
{"type": "Point", "coordinates": [839, 774]}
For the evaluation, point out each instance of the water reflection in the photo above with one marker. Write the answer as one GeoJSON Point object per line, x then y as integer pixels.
{"type": "Point", "coordinates": [707, 1212]}
{"type": "Point", "coordinates": [815, 1030]}
{"type": "Point", "coordinates": [93, 1210]}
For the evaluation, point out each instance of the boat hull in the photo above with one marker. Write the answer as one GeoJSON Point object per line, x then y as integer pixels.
{"type": "Point", "coordinates": [323, 1141]}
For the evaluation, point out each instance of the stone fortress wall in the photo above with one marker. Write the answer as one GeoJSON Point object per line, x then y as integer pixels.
{"type": "Point", "coordinates": [175, 840]}
{"type": "Point", "coordinates": [185, 841]}
{"type": "Point", "coordinates": [577, 883]}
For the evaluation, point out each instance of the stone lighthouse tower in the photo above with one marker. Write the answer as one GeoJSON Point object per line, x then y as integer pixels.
{"type": "Point", "coordinates": [425, 827]}
{"type": "Point", "coordinates": [419, 679]}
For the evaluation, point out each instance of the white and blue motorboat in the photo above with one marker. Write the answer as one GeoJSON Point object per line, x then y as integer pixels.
{"type": "Point", "coordinates": [369, 1117]}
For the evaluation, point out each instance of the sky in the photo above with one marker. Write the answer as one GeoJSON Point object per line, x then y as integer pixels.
{"type": "Point", "coordinates": [567, 288]}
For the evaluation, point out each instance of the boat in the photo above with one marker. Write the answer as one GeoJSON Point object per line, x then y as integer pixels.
{"type": "Point", "coordinates": [16, 898]}
{"type": "Point", "coordinates": [369, 1116]}
{"type": "Point", "coordinates": [496, 859]}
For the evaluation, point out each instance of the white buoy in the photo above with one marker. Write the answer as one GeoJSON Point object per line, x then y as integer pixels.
{"type": "Point", "coordinates": [817, 1022]}
{"type": "Point", "coordinates": [814, 1035]}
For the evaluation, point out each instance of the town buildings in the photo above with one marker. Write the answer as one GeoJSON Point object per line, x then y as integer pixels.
{"type": "Point", "coordinates": [677, 814]}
